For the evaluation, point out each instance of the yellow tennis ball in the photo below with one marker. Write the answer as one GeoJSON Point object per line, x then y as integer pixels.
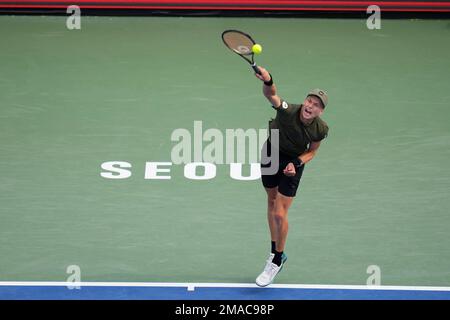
{"type": "Point", "coordinates": [257, 49]}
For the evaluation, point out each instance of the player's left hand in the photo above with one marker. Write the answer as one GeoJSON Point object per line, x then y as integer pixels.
{"type": "Point", "coordinates": [289, 170]}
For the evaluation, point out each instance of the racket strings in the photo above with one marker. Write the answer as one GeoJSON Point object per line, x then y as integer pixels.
{"type": "Point", "coordinates": [238, 42]}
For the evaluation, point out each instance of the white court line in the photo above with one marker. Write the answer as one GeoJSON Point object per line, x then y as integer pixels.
{"type": "Point", "coordinates": [192, 285]}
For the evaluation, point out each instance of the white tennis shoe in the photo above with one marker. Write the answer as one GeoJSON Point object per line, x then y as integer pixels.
{"type": "Point", "coordinates": [269, 273]}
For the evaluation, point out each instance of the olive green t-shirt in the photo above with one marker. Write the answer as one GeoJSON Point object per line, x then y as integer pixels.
{"type": "Point", "coordinates": [294, 136]}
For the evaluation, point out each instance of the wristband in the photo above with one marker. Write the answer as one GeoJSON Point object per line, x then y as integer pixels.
{"type": "Point", "coordinates": [270, 82]}
{"type": "Point", "coordinates": [297, 163]}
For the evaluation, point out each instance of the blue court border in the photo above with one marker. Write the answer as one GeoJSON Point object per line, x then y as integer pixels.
{"type": "Point", "coordinates": [205, 292]}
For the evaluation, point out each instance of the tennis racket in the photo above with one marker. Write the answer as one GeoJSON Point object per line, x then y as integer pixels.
{"type": "Point", "coordinates": [241, 43]}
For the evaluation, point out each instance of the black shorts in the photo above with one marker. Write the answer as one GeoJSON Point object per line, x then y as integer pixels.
{"type": "Point", "coordinates": [287, 186]}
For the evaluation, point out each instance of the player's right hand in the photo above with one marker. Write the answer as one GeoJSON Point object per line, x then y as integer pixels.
{"type": "Point", "coordinates": [264, 76]}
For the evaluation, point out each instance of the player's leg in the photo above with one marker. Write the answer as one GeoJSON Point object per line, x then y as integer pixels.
{"type": "Point", "coordinates": [287, 188]}
{"type": "Point", "coordinates": [282, 205]}
{"type": "Point", "coordinates": [271, 213]}
{"type": "Point", "coordinates": [287, 191]}
{"type": "Point", "coordinates": [277, 208]}
{"type": "Point", "coordinates": [270, 183]}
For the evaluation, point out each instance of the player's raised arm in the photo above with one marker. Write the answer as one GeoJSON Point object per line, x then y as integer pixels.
{"type": "Point", "coordinates": [269, 89]}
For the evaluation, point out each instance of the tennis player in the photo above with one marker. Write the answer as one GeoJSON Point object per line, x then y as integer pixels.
{"type": "Point", "coordinates": [300, 131]}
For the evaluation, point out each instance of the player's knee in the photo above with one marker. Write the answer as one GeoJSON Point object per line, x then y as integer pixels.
{"type": "Point", "coordinates": [280, 216]}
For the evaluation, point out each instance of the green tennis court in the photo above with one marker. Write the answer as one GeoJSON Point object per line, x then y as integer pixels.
{"type": "Point", "coordinates": [71, 100]}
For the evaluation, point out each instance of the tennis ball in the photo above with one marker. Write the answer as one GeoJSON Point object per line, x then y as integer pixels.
{"type": "Point", "coordinates": [256, 48]}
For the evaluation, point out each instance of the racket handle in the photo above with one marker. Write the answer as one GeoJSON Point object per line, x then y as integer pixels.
{"type": "Point", "coordinates": [255, 67]}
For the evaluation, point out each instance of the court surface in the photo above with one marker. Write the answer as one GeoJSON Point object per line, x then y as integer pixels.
{"type": "Point", "coordinates": [375, 195]}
